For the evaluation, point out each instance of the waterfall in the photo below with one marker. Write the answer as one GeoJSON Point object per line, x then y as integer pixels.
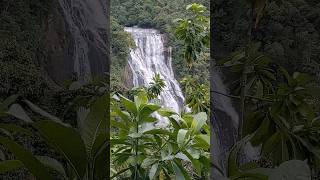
{"type": "Point", "coordinates": [151, 57]}
{"type": "Point", "coordinates": [86, 23]}
{"type": "Point", "coordinates": [224, 121]}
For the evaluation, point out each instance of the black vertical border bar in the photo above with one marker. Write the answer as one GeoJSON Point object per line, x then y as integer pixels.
{"type": "Point", "coordinates": [108, 42]}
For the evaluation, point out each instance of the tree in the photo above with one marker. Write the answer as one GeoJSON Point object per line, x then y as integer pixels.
{"type": "Point", "coordinates": [194, 32]}
{"type": "Point", "coordinates": [155, 87]}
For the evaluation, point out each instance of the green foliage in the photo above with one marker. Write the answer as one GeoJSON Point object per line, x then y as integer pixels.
{"type": "Point", "coordinates": [194, 32]}
{"type": "Point", "coordinates": [155, 87]}
{"type": "Point", "coordinates": [88, 161]}
{"type": "Point", "coordinates": [153, 90]}
{"type": "Point", "coordinates": [293, 169]}
{"type": "Point", "coordinates": [148, 13]}
{"type": "Point", "coordinates": [26, 158]}
{"type": "Point", "coordinates": [288, 30]}
{"type": "Point", "coordinates": [197, 95]}
{"type": "Point", "coordinates": [147, 151]}
{"type": "Point", "coordinates": [20, 26]}
{"type": "Point", "coordinates": [121, 42]}
{"type": "Point", "coordinates": [284, 121]}
{"type": "Point", "coordinates": [256, 67]}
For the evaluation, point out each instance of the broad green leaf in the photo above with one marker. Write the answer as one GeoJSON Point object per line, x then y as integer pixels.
{"type": "Point", "coordinates": [146, 110]}
{"type": "Point", "coordinates": [180, 120]}
{"type": "Point", "coordinates": [38, 110]}
{"type": "Point", "coordinates": [174, 123]}
{"type": "Point", "coordinates": [30, 162]}
{"type": "Point", "coordinates": [166, 112]}
{"type": "Point", "coordinates": [128, 104]}
{"type": "Point", "coordinates": [182, 156]}
{"type": "Point", "coordinates": [100, 143]}
{"type": "Point", "coordinates": [101, 147]}
{"type": "Point", "coordinates": [260, 132]}
{"type": "Point", "coordinates": [188, 119]}
{"type": "Point", "coordinates": [181, 137]}
{"type": "Point", "coordinates": [52, 164]}
{"type": "Point", "coordinates": [180, 172]}
{"type": "Point", "coordinates": [101, 162]}
{"type": "Point", "coordinates": [95, 123]}
{"type": "Point", "coordinates": [65, 140]}
{"type": "Point", "coordinates": [166, 158]}
{"type": "Point", "coordinates": [17, 111]}
{"type": "Point", "coordinates": [135, 135]}
{"type": "Point", "coordinates": [10, 165]}
{"type": "Point", "coordinates": [268, 146]}
{"type": "Point", "coordinates": [141, 99]}
{"type": "Point", "coordinates": [195, 153]}
{"type": "Point", "coordinates": [153, 171]}
{"type": "Point", "coordinates": [123, 114]}
{"type": "Point", "coordinates": [199, 121]}
{"type": "Point", "coordinates": [147, 162]}
{"type": "Point", "coordinates": [157, 131]}
{"type": "Point", "coordinates": [202, 141]}
{"type": "Point", "coordinates": [150, 119]}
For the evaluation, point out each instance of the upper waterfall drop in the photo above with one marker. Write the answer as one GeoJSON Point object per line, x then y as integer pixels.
{"type": "Point", "coordinates": [149, 58]}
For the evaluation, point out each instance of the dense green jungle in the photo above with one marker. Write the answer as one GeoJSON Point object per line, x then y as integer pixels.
{"type": "Point", "coordinates": [265, 52]}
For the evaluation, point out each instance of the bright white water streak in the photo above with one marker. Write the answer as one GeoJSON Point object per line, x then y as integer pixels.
{"type": "Point", "coordinates": [150, 57]}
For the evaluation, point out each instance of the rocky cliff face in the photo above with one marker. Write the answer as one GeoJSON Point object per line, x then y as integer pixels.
{"type": "Point", "coordinates": [75, 40]}
{"type": "Point", "coordinates": [127, 77]}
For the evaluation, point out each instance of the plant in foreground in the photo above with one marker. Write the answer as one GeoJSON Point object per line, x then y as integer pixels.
{"type": "Point", "coordinates": [83, 148]}
{"type": "Point", "coordinates": [150, 152]}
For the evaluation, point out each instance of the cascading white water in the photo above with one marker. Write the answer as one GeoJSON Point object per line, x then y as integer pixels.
{"type": "Point", "coordinates": [226, 122]}
{"type": "Point", "coordinates": [222, 102]}
{"type": "Point", "coordinates": [85, 20]}
{"type": "Point", "coordinates": [149, 58]}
